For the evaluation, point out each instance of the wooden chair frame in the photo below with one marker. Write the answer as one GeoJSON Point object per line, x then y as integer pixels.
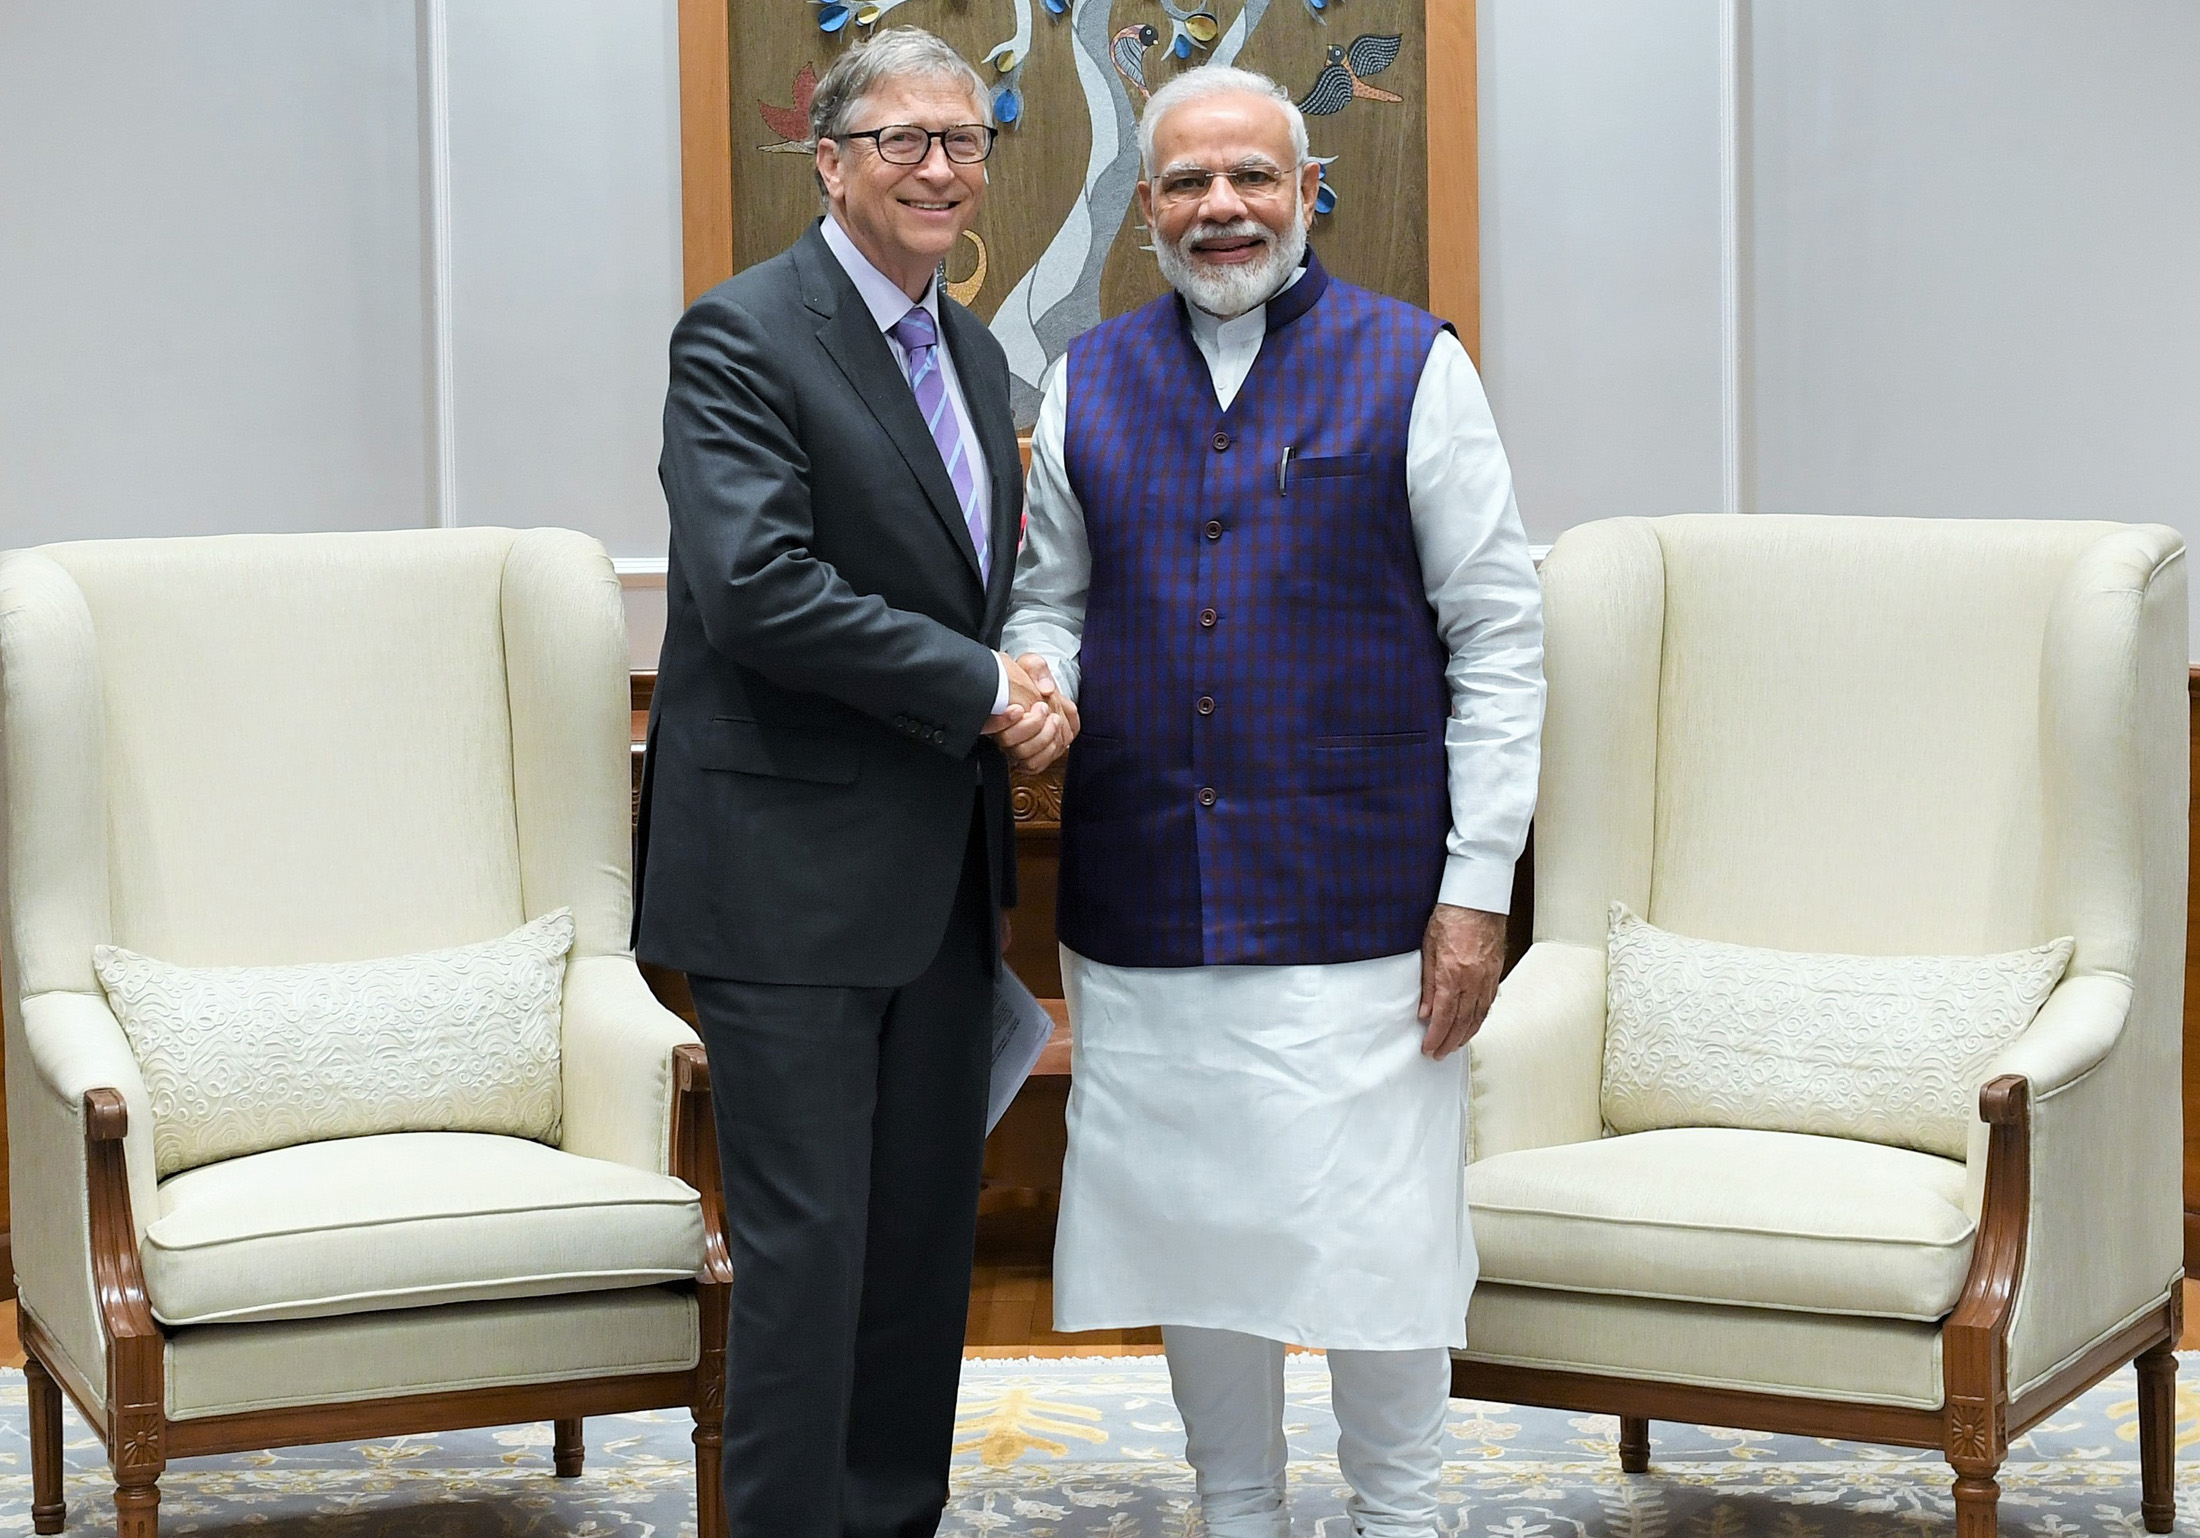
{"type": "Point", "coordinates": [140, 1438]}
{"type": "Point", "coordinates": [1977, 1417]}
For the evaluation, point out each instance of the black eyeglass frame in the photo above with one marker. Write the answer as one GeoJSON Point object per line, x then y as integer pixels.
{"type": "Point", "coordinates": [931, 136]}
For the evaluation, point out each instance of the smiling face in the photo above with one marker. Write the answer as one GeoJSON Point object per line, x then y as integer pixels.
{"type": "Point", "coordinates": [1227, 248]}
{"type": "Point", "coordinates": [906, 219]}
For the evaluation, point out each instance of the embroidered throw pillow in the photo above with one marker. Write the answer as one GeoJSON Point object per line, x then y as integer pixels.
{"type": "Point", "coordinates": [1883, 1049]}
{"type": "Point", "coordinates": [239, 1060]}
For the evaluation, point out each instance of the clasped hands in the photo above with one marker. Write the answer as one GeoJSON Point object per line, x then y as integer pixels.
{"type": "Point", "coordinates": [1040, 721]}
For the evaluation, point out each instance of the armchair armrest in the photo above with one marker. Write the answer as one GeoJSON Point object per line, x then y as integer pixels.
{"type": "Point", "coordinates": [695, 1155]}
{"type": "Point", "coordinates": [67, 1055]}
{"type": "Point", "coordinates": [618, 1045]}
{"type": "Point", "coordinates": [2070, 1035]}
{"type": "Point", "coordinates": [2101, 1241]}
{"type": "Point", "coordinates": [1536, 1068]}
{"type": "Point", "coordinates": [2067, 1039]}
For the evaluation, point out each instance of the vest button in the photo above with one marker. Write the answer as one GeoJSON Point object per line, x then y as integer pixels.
{"type": "Point", "coordinates": [1207, 619]}
{"type": "Point", "coordinates": [1214, 528]}
{"type": "Point", "coordinates": [1206, 704]}
{"type": "Point", "coordinates": [1206, 795]}
{"type": "Point", "coordinates": [1222, 441]}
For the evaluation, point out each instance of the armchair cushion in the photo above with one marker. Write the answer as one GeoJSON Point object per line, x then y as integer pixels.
{"type": "Point", "coordinates": [1891, 1049]}
{"type": "Point", "coordinates": [238, 1060]}
{"type": "Point", "coordinates": [1727, 1216]}
{"type": "Point", "coordinates": [407, 1220]}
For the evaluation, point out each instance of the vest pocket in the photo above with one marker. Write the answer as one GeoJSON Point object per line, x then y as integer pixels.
{"type": "Point", "coordinates": [1369, 761]}
{"type": "Point", "coordinates": [748, 747]}
{"type": "Point", "coordinates": [1332, 466]}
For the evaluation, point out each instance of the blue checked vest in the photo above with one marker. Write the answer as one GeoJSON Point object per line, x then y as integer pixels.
{"type": "Point", "coordinates": [1261, 774]}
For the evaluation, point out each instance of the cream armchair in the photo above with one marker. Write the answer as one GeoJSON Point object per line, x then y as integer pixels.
{"type": "Point", "coordinates": [317, 748]}
{"type": "Point", "coordinates": [1868, 736]}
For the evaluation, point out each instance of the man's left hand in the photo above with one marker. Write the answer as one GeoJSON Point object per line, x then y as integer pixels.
{"type": "Point", "coordinates": [1462, 954]}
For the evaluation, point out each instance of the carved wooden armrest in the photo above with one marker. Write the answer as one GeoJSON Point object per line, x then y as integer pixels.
{"type": "Point", "coordinates": [695, 1155]}
{"type": "Point", "coordinates": [1974, 1342]}
{"type": "Point", "coordinates": [136, 1395]}
{"type": "Point", "coordinates": [116, 1268]}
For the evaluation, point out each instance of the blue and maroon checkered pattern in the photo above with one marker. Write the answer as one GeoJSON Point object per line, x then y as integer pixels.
{"type": "Point", "coordinates": [1261, 775]}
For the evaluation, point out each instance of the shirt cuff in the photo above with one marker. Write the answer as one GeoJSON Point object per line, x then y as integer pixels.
{"type": "Point", "coordinates": [1000, 695]}
{"type": "Point", "coordinates": [1472, 883]}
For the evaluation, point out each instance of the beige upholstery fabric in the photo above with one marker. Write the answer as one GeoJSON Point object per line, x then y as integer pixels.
{"type": "Point", "coordinates": [1873, 737]}
{"type": "Point", "coordinates": [222, 1369]}
{"type": "Point", "coordinates": [242, 1059]}
{"type": "Point", "coordinates": [407, 1220]}
{"type": "Point", "coordinates": [260, 751]}
{"type": "Point", "coordinates": [1718, 1215]}
{"type": "Point", "coordinates": [1891, 1049]}
{"type": "Point", "coordinates": [1868, 1361]}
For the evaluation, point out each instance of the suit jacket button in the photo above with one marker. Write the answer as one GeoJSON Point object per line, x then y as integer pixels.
{"type": "Point", "coordinates": [1222, 441]}
{"type": "Point", "coordinates": [1206, 795]}
{"type": "Point", "coordinates": [1206, 704]}
{"type": "Point", "coordinates": [1207, 619]}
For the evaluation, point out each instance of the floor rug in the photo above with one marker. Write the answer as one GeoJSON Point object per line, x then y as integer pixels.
{"type": "Point", "coordinates": [1092, 1448]}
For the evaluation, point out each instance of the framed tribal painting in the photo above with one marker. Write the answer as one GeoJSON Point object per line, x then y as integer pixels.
{"type": "Point", "coordinates": [1387, 86]}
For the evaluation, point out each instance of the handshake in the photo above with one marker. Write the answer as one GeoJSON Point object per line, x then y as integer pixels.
{"type": "Point", "coordinates": [1040, 721]}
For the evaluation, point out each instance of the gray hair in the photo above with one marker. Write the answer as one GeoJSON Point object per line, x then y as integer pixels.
{"type": "Point", "coordinates": [1216, 80]}
{"type": "Point", "coordinates": [898, 53]}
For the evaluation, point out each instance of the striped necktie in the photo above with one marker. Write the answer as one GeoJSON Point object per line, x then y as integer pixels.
{"type": "Point", "coordinates": [919, 340]}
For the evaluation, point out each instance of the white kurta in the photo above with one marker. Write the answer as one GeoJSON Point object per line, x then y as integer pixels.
{"type": "Point", "coordinates": [1265, 1149]}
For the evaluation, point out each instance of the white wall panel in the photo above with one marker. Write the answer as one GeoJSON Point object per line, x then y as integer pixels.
{"type": "Point", "coordinates": [1977, 258]}
{"type": "Point", "coordinates": [211, 308]}
{"type": "Point", "coordinates": [565, 254]}
{"type": "Point", "coordinates": [1600, 253]}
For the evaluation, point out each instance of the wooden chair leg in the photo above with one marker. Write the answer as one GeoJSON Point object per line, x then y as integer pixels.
{"type": "Point", "coordinates": [569, 1448]}
{"type": "Point", "coordinates": [137, 1507]}
{"type": "Point", "coordinates": [1978, 1503]}
{"type": "Point", "coordinates": [2158, 1437]}
{"type": "Point", "coordinates": [49, 1512]}
{"type": "Point", "coordinates": [1634, 1444]}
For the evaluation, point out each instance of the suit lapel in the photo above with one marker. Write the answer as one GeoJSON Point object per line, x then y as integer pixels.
{"type": "Point", "coordinates": [987, 396]}
{"type": "Point", "coordinates": [855, 343]}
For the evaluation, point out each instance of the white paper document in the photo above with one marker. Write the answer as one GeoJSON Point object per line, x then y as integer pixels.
{"type": "Point", "coordinates": [1021, 1030]}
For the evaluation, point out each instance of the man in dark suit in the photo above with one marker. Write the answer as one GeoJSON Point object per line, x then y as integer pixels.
{"type": "Point", "coordinates": [825, 839]}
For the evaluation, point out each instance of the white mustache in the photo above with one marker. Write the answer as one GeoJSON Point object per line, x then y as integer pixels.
{"type": "Point", "coordinates": [1237, 229]}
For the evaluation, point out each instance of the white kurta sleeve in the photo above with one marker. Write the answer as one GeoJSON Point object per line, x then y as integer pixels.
{"type": "Point", "coordinates": [1482, 584]}
{"type": "Point", "coordinates": [1046, 614]}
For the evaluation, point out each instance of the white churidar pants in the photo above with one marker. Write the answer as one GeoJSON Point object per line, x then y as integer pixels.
{"type": "Point", "coordinates": [1390, 1408]}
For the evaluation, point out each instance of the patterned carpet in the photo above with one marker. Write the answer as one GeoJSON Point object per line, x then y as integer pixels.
{"type": "Point", "coordinates": [1092, 1448]}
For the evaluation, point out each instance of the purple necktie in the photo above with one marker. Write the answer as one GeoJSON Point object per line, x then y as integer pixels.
{"type": "Point", "coordinates": [919, 338]}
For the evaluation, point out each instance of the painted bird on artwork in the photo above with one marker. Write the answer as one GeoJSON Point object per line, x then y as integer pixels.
{"type": "Point", "coordinates": [1129, 50]}
{"type": "Point", "coordinates": [792, 124]}
{"type": "Point", "coordinates": [1340, 81]}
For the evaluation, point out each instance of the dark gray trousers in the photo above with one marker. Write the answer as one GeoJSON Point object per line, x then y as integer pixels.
{"type": "Point", "coordinates": [851, 1129]}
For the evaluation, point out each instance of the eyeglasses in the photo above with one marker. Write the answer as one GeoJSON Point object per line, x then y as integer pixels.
{"type": "Point", "coordinates": [905, 144]}
{"type": "Point", "coordinates": [1189, 184]}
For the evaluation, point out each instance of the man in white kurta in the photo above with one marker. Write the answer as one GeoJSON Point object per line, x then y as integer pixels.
{"type": "Point", "coordinates": [1262, 1155]}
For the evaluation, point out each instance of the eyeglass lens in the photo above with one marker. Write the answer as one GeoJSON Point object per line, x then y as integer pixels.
{"type": "Point", "coordinates": [1186, 185]}
{"type": "Point", "coordinates": [905, 144]}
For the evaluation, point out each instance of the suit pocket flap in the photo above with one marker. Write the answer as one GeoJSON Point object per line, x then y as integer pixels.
{"type": "Point", "coordinates": [746, 747]}
{"type": "Point", "coordinates": [1334, 465]}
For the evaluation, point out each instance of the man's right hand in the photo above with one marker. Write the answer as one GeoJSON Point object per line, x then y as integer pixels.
{"type": "Point", "coordinates": [1033, 732]}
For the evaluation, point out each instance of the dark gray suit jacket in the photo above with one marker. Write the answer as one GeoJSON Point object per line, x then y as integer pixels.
{"type": "Point", "coordinates": [828, 656]}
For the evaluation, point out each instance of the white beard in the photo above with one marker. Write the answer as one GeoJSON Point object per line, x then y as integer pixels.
{"type": "Point", "coordinates": [1229, 292]}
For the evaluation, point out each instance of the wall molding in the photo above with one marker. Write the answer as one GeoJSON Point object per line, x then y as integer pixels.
{"type": "Point", "coordinates": [1733, 126]}
{"type": "Point", "coordinates": [435, 106]}
{"type": "Point", "coordinates": [640, 570]}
